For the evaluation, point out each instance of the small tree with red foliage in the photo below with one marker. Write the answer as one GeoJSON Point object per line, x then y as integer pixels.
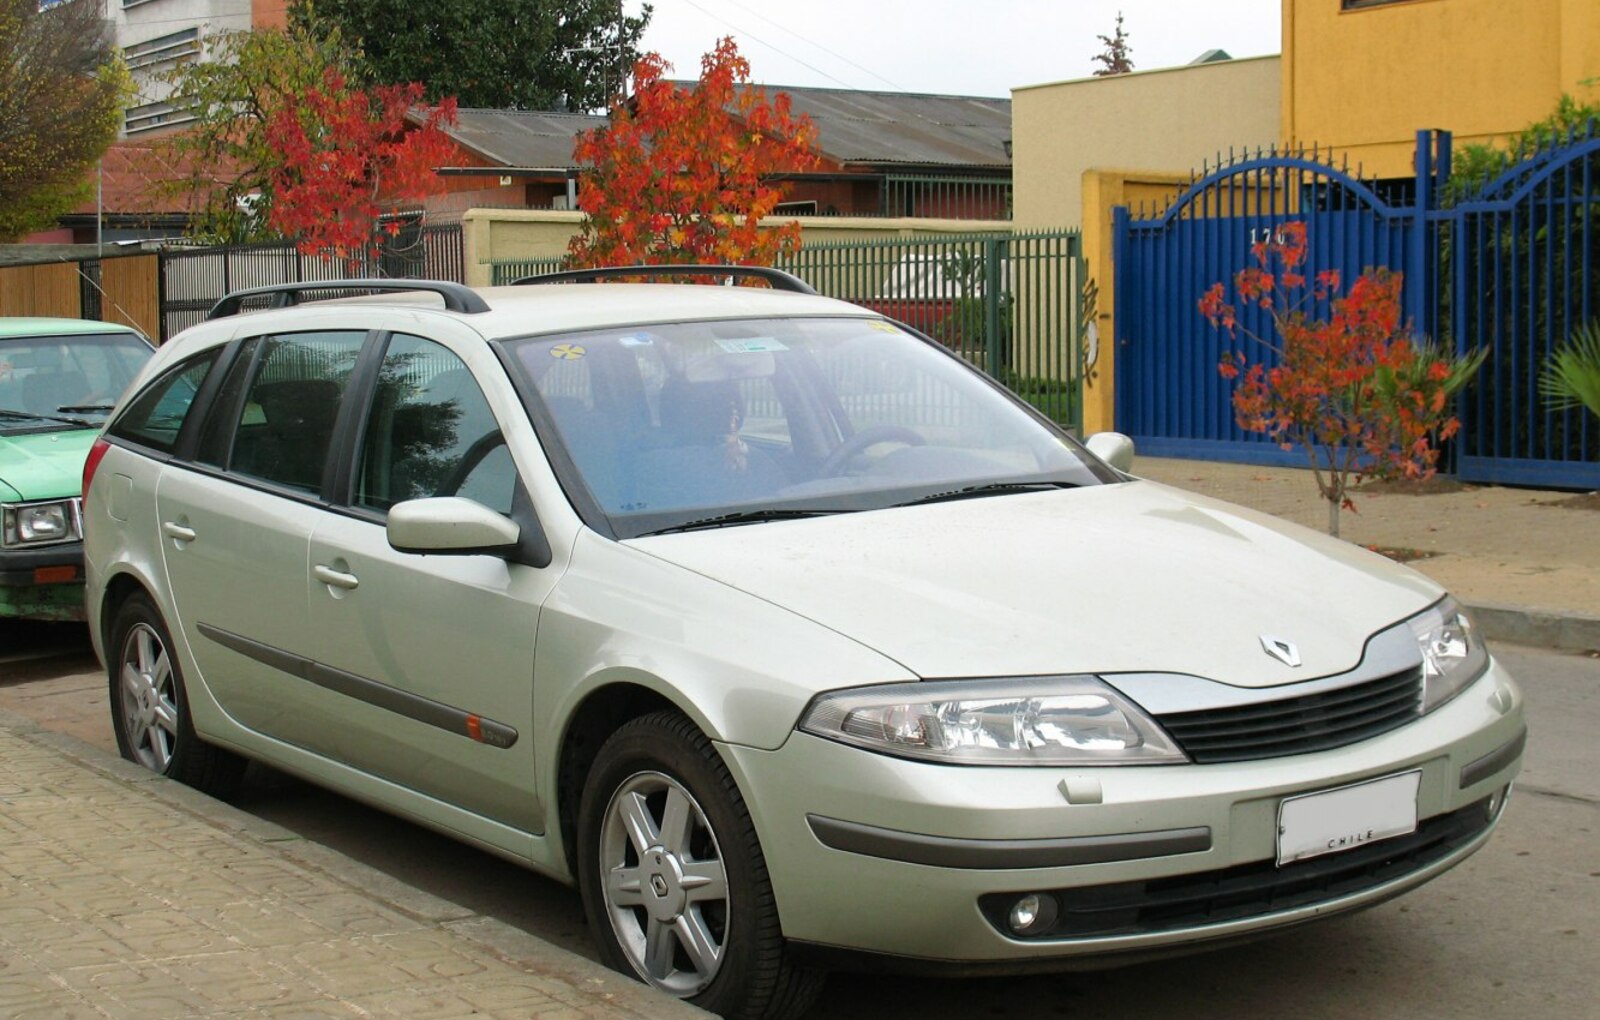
{"type": "Point", "coordinates": [347, 153]}
{"type": "Point", "coordinates": [1357, 390]}
{"type": "Point", "coordinates": [684, 175]}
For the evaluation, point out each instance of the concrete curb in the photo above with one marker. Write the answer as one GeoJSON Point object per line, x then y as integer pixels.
{"type": "Point", "coordinates": [612, 993]}
{"type": "Point", "coordinates": [1520, 625]}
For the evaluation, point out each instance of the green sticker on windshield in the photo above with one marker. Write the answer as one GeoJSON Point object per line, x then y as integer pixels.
{"type": "Point", "coordinates": [752, 345]}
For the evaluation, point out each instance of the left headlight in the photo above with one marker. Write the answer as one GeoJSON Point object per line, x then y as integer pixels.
{"type": "Point", "coordinates": [1072, 720]}
{"type": "Point", "coordinates": [1453, 654]}
{"type": "Point", "coordinates": [40, 523]}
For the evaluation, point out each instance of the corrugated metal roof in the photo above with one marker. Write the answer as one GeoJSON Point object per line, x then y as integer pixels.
{"type": "Point", "coordinates": [522, 138]}
{"type": "Point", "coordinates": [898, 127]}
{"type": "Point", "coordinates": [853, 127]}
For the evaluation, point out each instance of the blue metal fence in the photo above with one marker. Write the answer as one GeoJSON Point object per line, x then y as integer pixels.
{"type": "Point", "coordinates": [1525, 273]}
{"type": "Point", "coordinates": [1515, 267]}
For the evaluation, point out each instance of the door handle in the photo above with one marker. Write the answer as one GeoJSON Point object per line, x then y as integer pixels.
{"type": "Point", "coordinates": [337, 578]}
{"type": "Point", "coordinates": [177, 531]}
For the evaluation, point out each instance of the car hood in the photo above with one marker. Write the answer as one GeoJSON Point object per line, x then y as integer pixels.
{"type": "Point", "coordinates": [1129, 577]}
{"type": "Point", "coordinates": [44, 465]}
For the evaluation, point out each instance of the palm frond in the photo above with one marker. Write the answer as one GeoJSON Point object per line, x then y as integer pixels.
{"type": "Point", "coordinates": [1571, 376]}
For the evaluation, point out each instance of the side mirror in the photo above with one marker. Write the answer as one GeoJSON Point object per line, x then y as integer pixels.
{"type": "Point", "coordinates": [450, 525]}
{"type": "Point", "coordinates": [1114, 448]}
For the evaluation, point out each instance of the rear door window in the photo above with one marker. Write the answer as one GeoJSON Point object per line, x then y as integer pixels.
{"type": "Point", "coordinates": [284, 426]}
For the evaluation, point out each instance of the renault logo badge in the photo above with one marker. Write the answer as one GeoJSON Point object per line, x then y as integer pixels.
{"type": "Point", "coordinates": [1284, 651]}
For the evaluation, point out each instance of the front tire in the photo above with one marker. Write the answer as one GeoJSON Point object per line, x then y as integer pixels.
{"type": "Point", "coordinates": [150, 706]}
{"type": "Point", "coordinates": [674, 883]}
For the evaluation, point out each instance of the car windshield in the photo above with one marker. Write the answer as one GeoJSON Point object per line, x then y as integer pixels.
{"type": "Point", "coordinates": [69, 381]}
{"type": "Point", "coordinates": [703, 424]}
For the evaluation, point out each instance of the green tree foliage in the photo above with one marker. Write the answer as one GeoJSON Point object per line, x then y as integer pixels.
{"type": "Point", "coordinates": [1473, 166]}
{"type": "Point", "coordinates": [62, 88]}
{"type": "Point", "coordinates": [1117, 57]}
{"type": "Point", "coordinates": [521, 54]}
{"type": "Point", "coordinates": [228, 157]}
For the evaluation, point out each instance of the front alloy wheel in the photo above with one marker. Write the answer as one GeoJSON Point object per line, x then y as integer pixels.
{"type": "Point", "coordinates": [665, 888]}
{"type": "Point", "coordinates": [674, 883]}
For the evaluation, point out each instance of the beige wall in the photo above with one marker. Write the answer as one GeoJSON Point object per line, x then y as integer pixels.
{"type": "Point", "coordinates": [1171, 119]}
{"type": "Point", "coordinates": [507, 235]}
{"type": "Point", "coordinates": [1366, 80]}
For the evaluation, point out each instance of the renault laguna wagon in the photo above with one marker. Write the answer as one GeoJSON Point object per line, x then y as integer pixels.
{"type": "Point", "coordinates": [790, 638]}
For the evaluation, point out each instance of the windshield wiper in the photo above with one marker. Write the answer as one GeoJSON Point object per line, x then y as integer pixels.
{"type": "Point", "coordinates": [987, 489]}
{"type": "Point", "coordinates": [744, 517]}
{"type": "Point", "coordinates": [87, 408]}
{"type": "Point", "coordinates": [6, 412]}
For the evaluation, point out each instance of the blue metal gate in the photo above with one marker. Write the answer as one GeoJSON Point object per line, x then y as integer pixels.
{"type": "Point", "coordinates": [1169, 395]}
{"type": "Point", "coordinates": [1514, 268]}
{"type": "Point", "coordinates": [1525, 273]}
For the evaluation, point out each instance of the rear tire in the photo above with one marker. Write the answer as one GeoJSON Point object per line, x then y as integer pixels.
{"type": "Point", "coordinates": [674, 883]}
{"type": "Point", "coordinates": [150, 706]}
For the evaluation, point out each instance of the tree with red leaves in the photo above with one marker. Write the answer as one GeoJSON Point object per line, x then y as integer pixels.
{"type": "Point", "coordinates": [347, 153]}
{"type": "Point", "coordinates": [1357, 390]}
{"type": "Point", "coordinates": [684, 175]}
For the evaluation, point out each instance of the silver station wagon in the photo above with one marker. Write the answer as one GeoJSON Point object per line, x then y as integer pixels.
{"type": "Point", "coordinates": [790, 638]}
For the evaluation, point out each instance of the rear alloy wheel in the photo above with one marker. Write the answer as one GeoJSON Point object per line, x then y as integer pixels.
{"type": "Point", "coordinates": [673, 879]}
{"type": "Point", "coordinates": [150, 707]}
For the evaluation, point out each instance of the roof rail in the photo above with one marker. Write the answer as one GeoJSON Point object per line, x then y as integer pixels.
{"type": "Point", "coordinates": [457, 298]}
{"type": "Point", "coordinates": [776, 278]}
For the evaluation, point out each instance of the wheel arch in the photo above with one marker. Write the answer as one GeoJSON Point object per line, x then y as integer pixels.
{"type": "Point", "coordinates": [119, 587]}
{"type": "Point", "coordinates": [601, 712]}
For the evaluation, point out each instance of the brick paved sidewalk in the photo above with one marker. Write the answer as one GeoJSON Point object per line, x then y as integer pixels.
{"type": "Point", "coordinates": [123, 894]}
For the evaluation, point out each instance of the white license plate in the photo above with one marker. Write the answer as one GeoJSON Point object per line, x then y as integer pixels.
{"type": "Point", "coordinates": [1314, 824]}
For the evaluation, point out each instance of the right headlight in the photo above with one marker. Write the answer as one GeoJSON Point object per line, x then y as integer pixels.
{"type": "Point", "coordinates": [44, 523]}
{"type": "Point", "coordinates": [1070, 720]}
{"type": "Point", "coordinates": [1453, 654]}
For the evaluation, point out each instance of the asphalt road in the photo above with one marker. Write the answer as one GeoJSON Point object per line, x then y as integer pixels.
{"type": "Point", "coordinates": [1514, 932]}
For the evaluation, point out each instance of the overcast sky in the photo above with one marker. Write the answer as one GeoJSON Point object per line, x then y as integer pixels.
{"type": "Point", "coordinates": [970, 47]}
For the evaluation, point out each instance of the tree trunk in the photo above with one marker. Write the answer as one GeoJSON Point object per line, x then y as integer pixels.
{"type": "Point", "coordinates": [1333, 517]}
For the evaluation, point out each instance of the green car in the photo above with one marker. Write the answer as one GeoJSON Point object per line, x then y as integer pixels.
{"type": "Point", "coordinates": [58, 380]}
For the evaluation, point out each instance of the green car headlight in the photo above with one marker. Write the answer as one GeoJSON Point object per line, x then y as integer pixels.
{"type": "Point", "coordinates": [1453, 654]}
{"type": "Point", "coordinates": [1072, 720]}
{"type": "Point", "coordinates": [39, 523]}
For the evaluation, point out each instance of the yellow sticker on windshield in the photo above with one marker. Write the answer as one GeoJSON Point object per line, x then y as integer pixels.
{"type": "Point", "coordinates": [568, 352]}
{"type": "Point", "coordinates": [882, 327]}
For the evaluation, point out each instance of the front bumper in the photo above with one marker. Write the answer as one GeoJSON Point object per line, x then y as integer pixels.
{"type": "Point", "coordinates": [44, 583]}
{"type": "Point", "coordinates": [921, 855]}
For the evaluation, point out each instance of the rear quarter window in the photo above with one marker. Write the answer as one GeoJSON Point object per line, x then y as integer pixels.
{"type": "Point", "coordinates": [154, 418]}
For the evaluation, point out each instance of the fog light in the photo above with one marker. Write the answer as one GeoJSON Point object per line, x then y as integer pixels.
{"type": "Point", "coordinates": [1032, 914]}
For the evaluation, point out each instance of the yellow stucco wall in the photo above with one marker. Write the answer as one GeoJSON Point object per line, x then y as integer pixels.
{"type": "Point", "coordinates": [1171, 119]}
{"type": "Point", "coordinates": [1104, 190]}
{"type": "Point", "coordinates": [1366, 80]}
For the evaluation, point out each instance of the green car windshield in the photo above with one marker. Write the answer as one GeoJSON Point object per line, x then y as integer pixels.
{"type": "Point", "coordinates": [67, 381]}
{"type": "Point", "coordinates": [702, 424]}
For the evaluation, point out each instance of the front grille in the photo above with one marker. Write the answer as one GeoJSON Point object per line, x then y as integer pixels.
{"type": "Point", "coordinates": [1247, 890]}
{"type": "Point", "coordinates": [1313, 722]}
